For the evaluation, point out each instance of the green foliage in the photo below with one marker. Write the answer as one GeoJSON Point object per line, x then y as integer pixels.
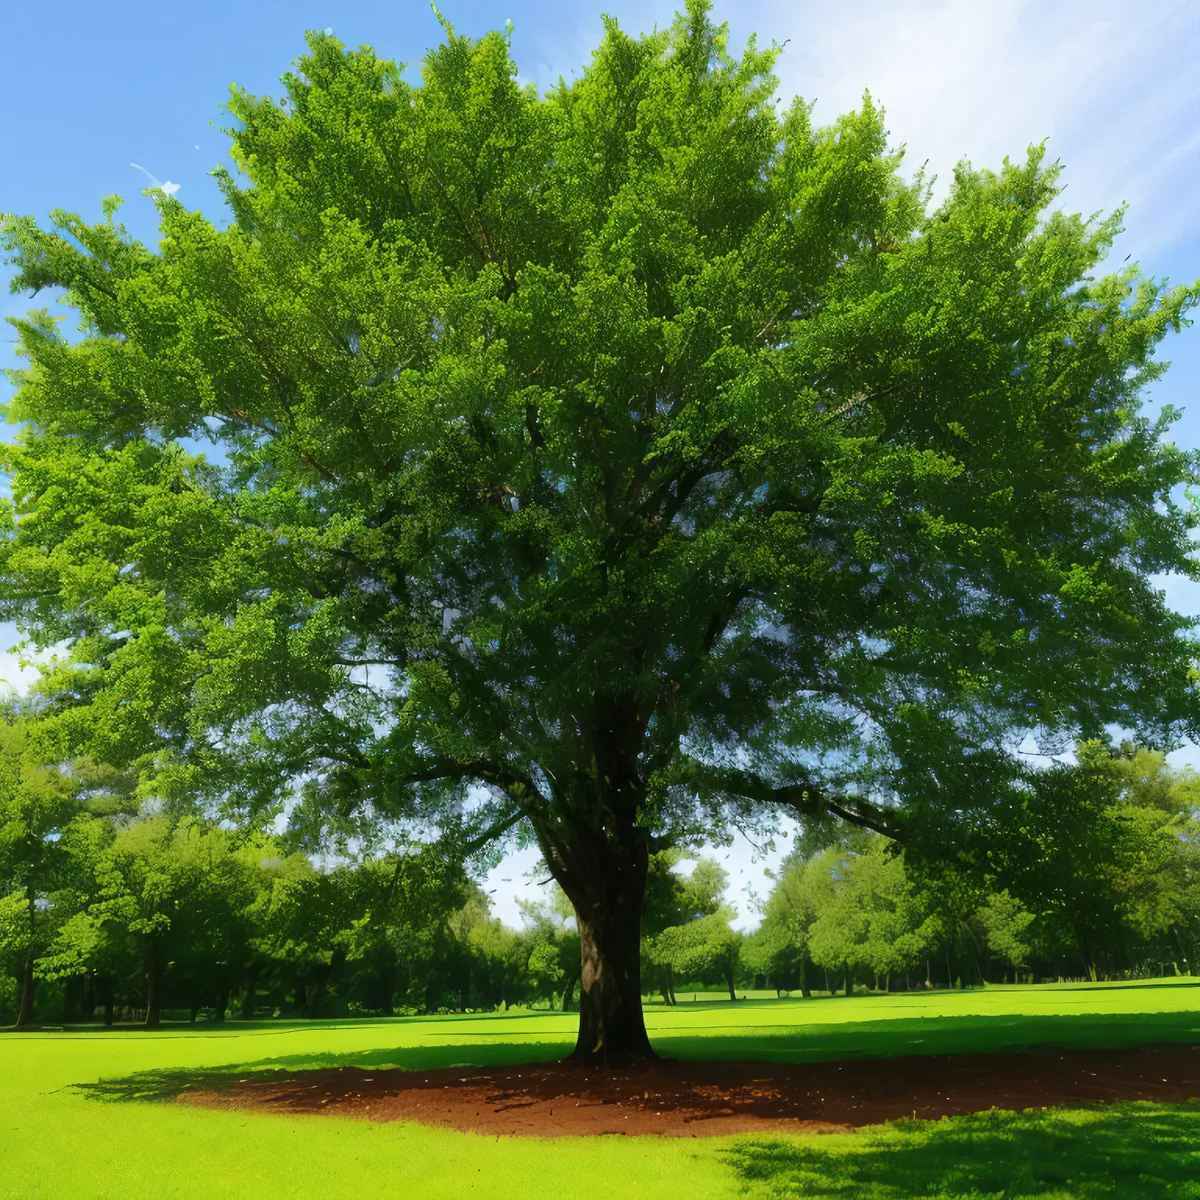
{"type": "Point", "coordinates": [867, 918]}
{"type": "Point", "coordinates": [1090, 869]}
{"type": "Point", "coordinates": [685, 924]}
{"type": "Point", "coordinates": [1005, 921]}
{"type": "Point", "coordinates": [616, 429]}
{"type": "Point", "coordinates": [39, 815]}
{"type": "Point", "coordinates": [706, 950]}
{"type": "Point", "coordinates": [552, 942]}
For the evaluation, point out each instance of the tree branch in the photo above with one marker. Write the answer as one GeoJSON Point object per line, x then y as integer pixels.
{"type": "Point", "coordinates": [806, 798]}
{"type": "Point", "coordinates": [515, 784]}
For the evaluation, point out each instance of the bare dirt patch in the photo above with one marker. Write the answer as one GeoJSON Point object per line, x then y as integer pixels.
{"type": "Point", "coordinates": [698, 1099]}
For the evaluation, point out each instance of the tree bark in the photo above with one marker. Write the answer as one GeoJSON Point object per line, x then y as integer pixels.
{"type": "Point", "coordinates": [664, 985]}
{"type": "Point", "coordinates": [25, 1009]}
{"type": "Point", "coordinates": [612, 1028]}
{"type": "Point", "coordinates": [729, 981]}
{"type": "Point", "coordinates": [805, 990]}
{"type": "Point", "coordinates": [603, 872]}
{"type": "Point", "coordinates": [153, 1016]}
{"type": "Point", "coordinates": [28, 983]}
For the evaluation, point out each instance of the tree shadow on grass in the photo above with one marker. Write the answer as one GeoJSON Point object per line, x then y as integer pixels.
{"type": "Point", "coordinates": [1138, 1149]}
{"type": "Point", "coordinates": [167, 1085]}
{"type": "Point", "coordinates": [1180, 981]}
{"type": "Point", "coordinates": [933, 1036]}
{"type": "Point", "coordinates": [973, 1033]}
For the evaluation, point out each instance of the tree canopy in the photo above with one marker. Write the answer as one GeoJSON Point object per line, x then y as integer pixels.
{"type": "Point", "coordinates": [665, 462]}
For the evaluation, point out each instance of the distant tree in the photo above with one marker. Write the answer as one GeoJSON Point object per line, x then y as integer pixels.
{"type": "Point", "coordinates": [1005, 922]}
{"type": "Point", "coordinates": [866, 917]}
{"type": "Point", "coordinates": [779, 948]}
{"type": "Point", "coordinates": [290, 932]}
{"type": "Point", "coordinates": [37, 806]}
{"type": "Point", "coordinates": [706, 950]}
{"type": "Point", "coordinates": [674, 900]}
{"type": "Point", "coordinates": [1158, 852]}
{"type": "Point", "coordinates": [172, 888]}
{"type": "Point", "coordinates": [403, 904]}
{"type": "Point", "coordinates": [772, 953]}
{"type": "Point", "coordinates": [553, 945]}
{"type": "Point", "coordinates": [643, 440]}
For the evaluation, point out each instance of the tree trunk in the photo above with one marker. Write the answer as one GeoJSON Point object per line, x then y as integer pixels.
{"type": "Point", "coordinates": [978, 965]}
{"type": "Point", "coordinates": [316, 993]}
{"type": "Point", "coordinates": [249, 998]}
{"type": "Point", "coordinates": [153, 1018]}
{"type": "Point", "coordinates": [220, 1005]}
{"type": "Point", "coordinates": [612, 1029]}
{"type": "Point", "coordinates": [729, 981]}
{"type": "Point", "coordinates": [805, 991]}
{"type": "Point", "coordinates": [603, 872]}
{"type": "Point", "coordinates": [28, 983]}
{"type": "Point", "coordinates": [1183, 954]}
{"type": "Point", "coordinates": [25, 1010]}
{"type": "Point", "coordinates": [107, 999]}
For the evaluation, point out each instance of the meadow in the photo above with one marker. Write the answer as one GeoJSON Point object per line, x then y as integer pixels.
{"type": "Point", "coordinates": [62, 1135]}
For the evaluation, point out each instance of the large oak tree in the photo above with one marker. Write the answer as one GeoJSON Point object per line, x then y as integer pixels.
{"type": "Point", "coordinates": [662, 457]}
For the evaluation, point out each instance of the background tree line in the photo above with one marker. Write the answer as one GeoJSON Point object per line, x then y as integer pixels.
{"type": "Point", "coordinates": [115, 909]}
{"type": "Point", "coordinates": [1096, 874]}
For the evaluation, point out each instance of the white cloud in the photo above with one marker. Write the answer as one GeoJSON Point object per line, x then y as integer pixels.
{"type": "Point", "coordinates": [1112, 86]}
{"type": "Point", "coordinates": [168, 187]}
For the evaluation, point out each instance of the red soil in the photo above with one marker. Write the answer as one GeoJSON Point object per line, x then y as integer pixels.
{"type": "Point", "coordinates": [697, 1099]}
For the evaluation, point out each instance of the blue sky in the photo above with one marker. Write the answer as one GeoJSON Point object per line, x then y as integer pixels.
{"type": "Point", "coordinates": [1113, 86]}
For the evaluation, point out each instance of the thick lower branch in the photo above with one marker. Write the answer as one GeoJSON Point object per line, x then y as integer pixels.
{"type": "Point", "coordinates": [806, 799]}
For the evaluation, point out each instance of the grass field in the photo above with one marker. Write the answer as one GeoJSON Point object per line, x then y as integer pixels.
{"type": "Point", "coordinates": [57, 1140]}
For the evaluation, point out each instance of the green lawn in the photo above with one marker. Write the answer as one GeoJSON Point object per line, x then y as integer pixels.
{"type": "Point", "coordinates": [60, 1141]}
